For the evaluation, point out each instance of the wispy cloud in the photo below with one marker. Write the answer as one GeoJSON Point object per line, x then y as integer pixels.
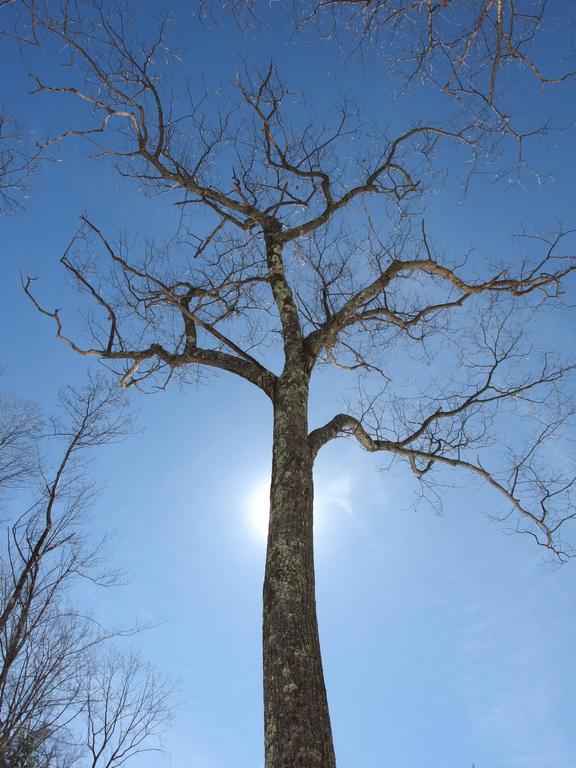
{"type": "Point", "coordinates": [509, 696]}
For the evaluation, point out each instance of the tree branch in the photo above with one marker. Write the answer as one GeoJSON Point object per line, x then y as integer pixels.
{"type": "Point", "coordinates": [546, 277]}
{"type": "Point", "coordinates": [345, 424]}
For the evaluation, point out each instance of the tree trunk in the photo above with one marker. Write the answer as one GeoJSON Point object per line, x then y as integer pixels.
{"type": "Point", "coordinates": [297, 721]}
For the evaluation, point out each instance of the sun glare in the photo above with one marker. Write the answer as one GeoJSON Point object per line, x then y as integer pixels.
{"type": "Point", "coordinates": [332, 495]}
{"type": "Point", "coordinates": [259, 509]}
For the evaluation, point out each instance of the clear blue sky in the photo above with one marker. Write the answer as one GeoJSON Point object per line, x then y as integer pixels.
{"type": "Point", "coordinates": [446, 642]}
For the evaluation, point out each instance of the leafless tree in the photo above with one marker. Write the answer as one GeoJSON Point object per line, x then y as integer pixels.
{"type": "Point", "coordinates": [279, 258]}
{"type": "Point", "coordinates": [474, 50]}
{"type": "Point", "coordinates": [50, 653]}
{"type": "Point", "coordinates": [126, 704]}
{"type": "Point", "coordinates": [20, 425]}
{"type": "Point", "coordinates": [17, 162]}
{"type": "Point", "coordinates": [19, 158]}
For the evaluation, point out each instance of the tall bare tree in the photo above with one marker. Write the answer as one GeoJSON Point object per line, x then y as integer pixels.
{"type": "Point", "coordinates": [54, 682]}
{"type": "Point", "coordinates": [298, 247]}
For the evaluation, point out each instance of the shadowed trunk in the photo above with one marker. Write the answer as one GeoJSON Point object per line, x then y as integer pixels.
{"type": "Point", "coordinates": [297, 721]}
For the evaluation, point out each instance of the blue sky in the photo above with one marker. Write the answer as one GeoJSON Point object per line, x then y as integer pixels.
{"type": "Point", "coordinates": [446, 642]}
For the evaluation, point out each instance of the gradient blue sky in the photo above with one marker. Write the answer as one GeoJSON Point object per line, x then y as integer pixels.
{"type": "Point", "coordinates": [446, 642]}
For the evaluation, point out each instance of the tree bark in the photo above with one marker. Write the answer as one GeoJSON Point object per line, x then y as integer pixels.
{"type": "Point", "coordinates": [296, 717]}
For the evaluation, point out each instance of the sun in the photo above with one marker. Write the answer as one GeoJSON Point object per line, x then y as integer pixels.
{"type": "Point", "coordinates": [332, 499]}
{"type": "Point", "coordinates": [258, 509]}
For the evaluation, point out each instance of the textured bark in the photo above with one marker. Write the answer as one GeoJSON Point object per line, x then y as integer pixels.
{"type": "Point", "coordinates": [297, 721]}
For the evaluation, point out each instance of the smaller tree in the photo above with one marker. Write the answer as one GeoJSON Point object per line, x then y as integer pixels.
{"type": "Point", "coordinates": [20, 425]}
{"type": "Point", "coordinates": [50, 653]}
{"type": "Point", "coordinates": [126, 703]}
{"type": "Point", "coordinates": [17, 162]}
{"type": "Point", "coordinates": [19, 156]}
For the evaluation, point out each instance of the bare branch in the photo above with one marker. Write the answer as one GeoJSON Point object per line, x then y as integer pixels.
{"type": "Point", "coordinates": [115, 348]}
{"type": "Point", "coordinates": [544, 277]}
{"type": "Point", "coordinates": [545, 523]}
{"type": "Point", "coordinates": [463, 48]}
